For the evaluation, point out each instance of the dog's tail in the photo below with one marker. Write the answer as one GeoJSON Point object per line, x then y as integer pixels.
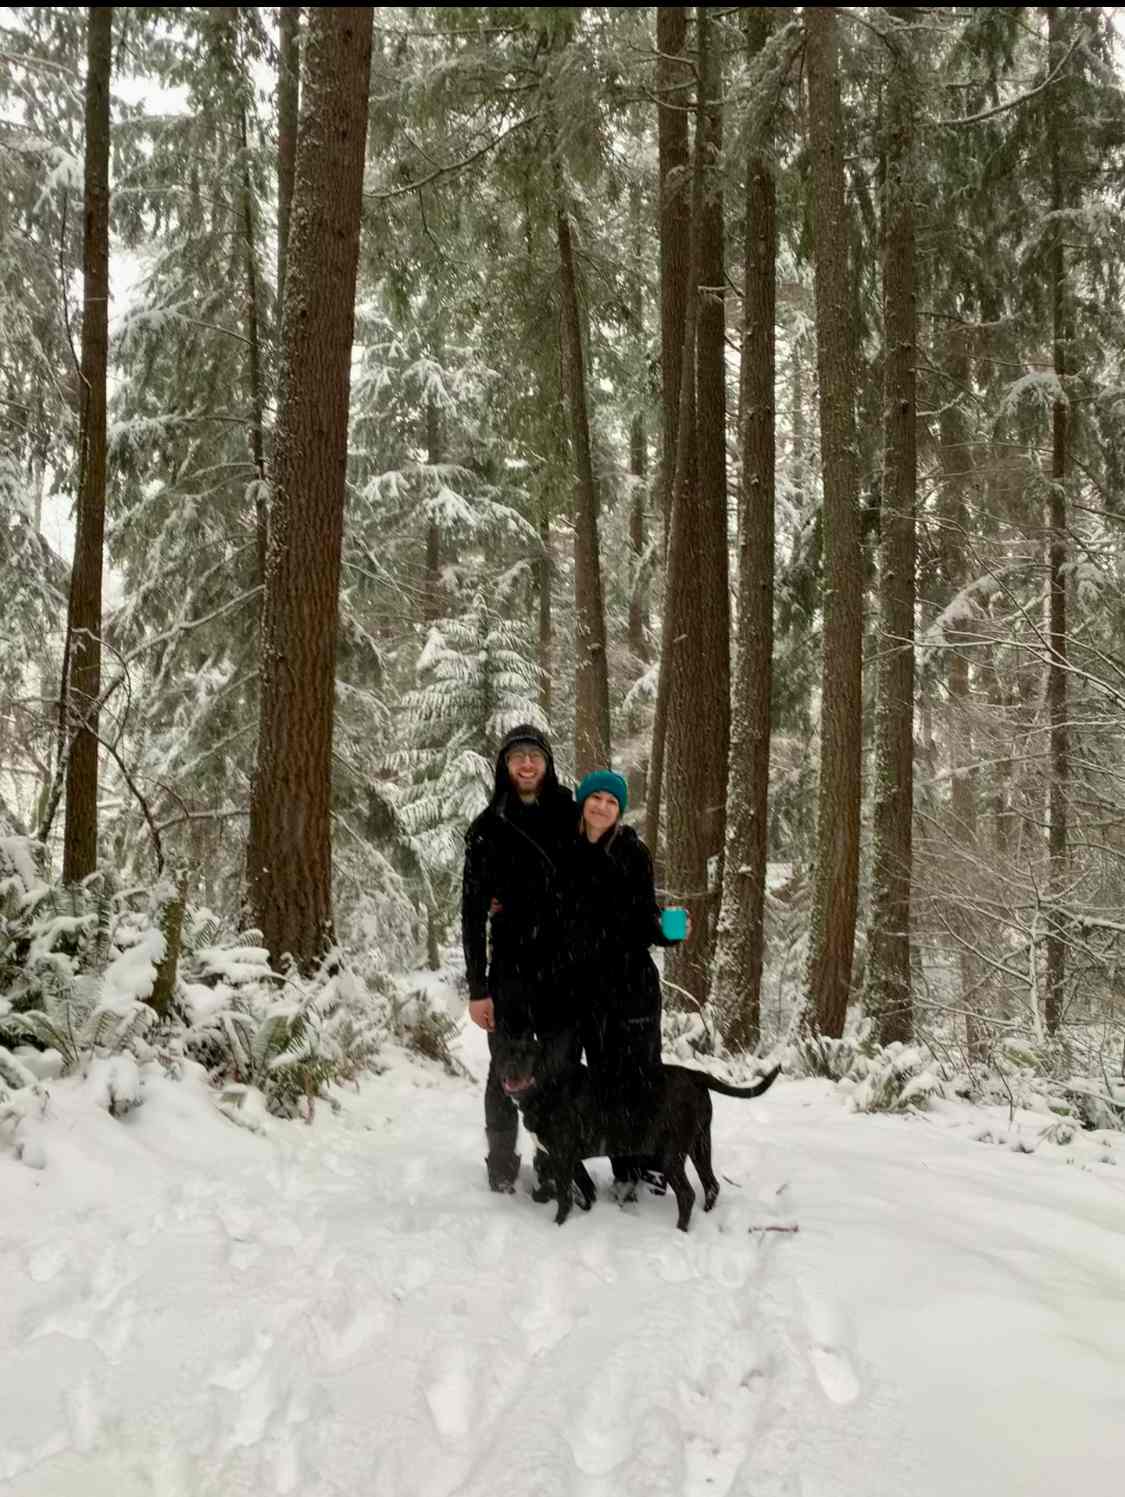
{"type": "Point", "coordinates": [713, 1084]}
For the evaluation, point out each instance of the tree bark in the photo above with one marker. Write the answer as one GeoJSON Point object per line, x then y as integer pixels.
{"type": "Point", "coordinates": [1057, 675]}
{"type": "Point", "coordinates": [954, 455]}
{"type": "Point", "coordinates": [289, 853]}
{"type": "Point", "coordinates": [712, 648]}
{"type": "Point", "coordinates": [887, 995]}
{"type": "Point", "coordinates": [253, 339]}
{"type": "Point", "coordinates": [673, 92]}
{"type": "Point", "coordinates": [83, 669]}
{"type": "Point", "coordinates": [697, 659]}
{"type": "Point", "coordinates": [678, 248]}
{"type": "Point", "coordinates": [545, 568]}
{"type": "Point", "coordinates": [435, 455]}
{"type": "Point", "coordinates": [288, 107]}
{"type": "Point", "coordinates": [591, 676]}
{"type": "Point", "coordinates": [638, 596]}
{"type": "Point", "coordinates": [638, 458]}
{"type": "Point", "coordinates": [832, 936]}
{"type": "Point", "coordinates": [741, 930]}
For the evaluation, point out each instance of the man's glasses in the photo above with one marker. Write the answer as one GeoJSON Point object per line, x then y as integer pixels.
{"type": "Point", "coordinates": [526, 756]}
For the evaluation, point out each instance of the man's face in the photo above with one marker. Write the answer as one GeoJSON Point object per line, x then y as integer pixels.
{"type": "Point", "coordinates": [527, 765]}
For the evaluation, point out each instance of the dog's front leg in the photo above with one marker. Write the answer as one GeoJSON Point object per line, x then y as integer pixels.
{"type": "Point", "coordinates": [564, 1178]}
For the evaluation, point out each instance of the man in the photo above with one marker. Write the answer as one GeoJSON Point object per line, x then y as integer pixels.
{"type": "Point", "coordinates": [512, 852]}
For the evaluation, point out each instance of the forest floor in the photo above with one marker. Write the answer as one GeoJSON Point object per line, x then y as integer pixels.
{"type": "Point", "coordinates": [189, 1309]}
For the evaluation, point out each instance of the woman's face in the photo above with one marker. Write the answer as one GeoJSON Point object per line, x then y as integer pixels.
{"type": "Point", "coordinates": [599, 811]}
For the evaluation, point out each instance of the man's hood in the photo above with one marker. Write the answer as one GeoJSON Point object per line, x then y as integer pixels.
{"type": "Point", "coordinates": [524, 733]}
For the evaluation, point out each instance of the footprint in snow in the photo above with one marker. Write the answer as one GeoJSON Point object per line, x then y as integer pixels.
{"type": "Point", "coordinates": [546, 1319]}
{"type": "Point", "coordinates": [450, 1388]}
{"type": "Point", "coordinates": [46, 1261]}
{"type": "Point", "coordinates": [239, 1375]}
{"type": "Point", "coordinates": [118, 1334]}
{"type": "Point", "coordinates": [489, 1242]}
{"type": "Point", "coordinates": [831, 1362]}
{"type": "Point", "coordinates": [655, 1467]}
{"type": "Point", "coordinates": [343, 1337]}
{"type": "Point", "coordinates": [109, 1278]}
{"type": "Point", "coordinates": [242, 1232]}
{"type": "Point", "coordinates": [84, 1416]}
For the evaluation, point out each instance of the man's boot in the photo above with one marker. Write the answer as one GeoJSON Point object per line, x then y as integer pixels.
{"type": "Point", "coordinates": [502, 1163]}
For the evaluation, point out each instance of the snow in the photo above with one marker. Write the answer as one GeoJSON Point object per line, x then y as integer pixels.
{"type": "Point", "coordinates": [192, 1308]}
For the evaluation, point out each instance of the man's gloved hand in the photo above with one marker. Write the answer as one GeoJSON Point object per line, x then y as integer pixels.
{"type": "Point", "coordinates": [481, 1013]}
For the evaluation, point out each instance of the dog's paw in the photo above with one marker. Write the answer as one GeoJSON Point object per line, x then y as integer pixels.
{"type": "Point", "coordinates": [542, 1194]}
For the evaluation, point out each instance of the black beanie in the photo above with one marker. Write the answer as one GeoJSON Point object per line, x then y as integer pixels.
{"type": "Point", "coordinates": [526, 733]}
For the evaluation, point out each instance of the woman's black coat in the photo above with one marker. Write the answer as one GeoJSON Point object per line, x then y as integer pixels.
{"type": "Point", "coordinates": [609, 921]}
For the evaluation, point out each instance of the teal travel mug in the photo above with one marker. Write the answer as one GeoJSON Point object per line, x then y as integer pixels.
{"type": "Point", "coordinates": [673, 923]}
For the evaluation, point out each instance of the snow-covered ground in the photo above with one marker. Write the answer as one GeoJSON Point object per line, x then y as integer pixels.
{"type": "Point", "coordinates": [188, 1309]}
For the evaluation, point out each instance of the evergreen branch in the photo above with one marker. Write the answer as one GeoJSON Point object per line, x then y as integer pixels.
{"type": "Point", "coordinates": [25, 60]}
{"type": "Point", "coordinates": [456, 166]}
{"type": "Point", "coordinates": [202, 816]}
{"type": "Point", "coordinates": [987, 114]}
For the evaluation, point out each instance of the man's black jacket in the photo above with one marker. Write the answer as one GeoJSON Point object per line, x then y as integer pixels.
{"type": "Point", "coordinates": [512, 855]}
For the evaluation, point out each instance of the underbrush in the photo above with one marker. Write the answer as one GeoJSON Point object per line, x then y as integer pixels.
{"type": "Point", "coordinates": [106, 981]}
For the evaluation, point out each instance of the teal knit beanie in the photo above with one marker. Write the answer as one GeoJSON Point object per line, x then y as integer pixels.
{"type": "Point", "coordinates": [607, 780]}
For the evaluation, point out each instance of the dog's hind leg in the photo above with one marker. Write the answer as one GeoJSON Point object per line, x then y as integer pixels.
{"type": "Point", "coordinates": [677, 1178]}
{"type": "Point", "coordinates": [701, 1158]}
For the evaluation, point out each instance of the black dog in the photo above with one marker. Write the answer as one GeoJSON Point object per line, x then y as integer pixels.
{"type": "Point", "coordinates": [563, 1111]}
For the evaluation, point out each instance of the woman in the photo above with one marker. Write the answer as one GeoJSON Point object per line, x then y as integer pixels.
{"type": "Point", "coordinates": [610, 921]}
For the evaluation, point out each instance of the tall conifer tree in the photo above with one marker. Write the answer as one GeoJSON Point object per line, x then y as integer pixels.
{"type": "Point", "coordinates": [83, 658]}
{"type": "Point", "coordinates": [289, 855]}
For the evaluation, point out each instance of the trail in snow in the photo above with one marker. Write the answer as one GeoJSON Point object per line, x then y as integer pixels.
{"type": "Point", "coordinates": [192, 1310]}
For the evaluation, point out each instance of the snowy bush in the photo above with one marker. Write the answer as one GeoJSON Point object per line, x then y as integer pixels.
{"type": "Point", "coordinates": [82, 963]}
{"type": "Point", "coordinates": [288, 1037]}
{"type": "Point", "coordinates": [114, 1081]}
{"type": "Point", "coordinates": [420, 1028]}
{"type": "Point", "coordinates": [875, 1078]}
{"type": "Point", "coordinates": [686, 1033]}
{"type": "Point", "coordinates": [893, 1079]}
{"type": "Point", "coordinates": [817, 1054]}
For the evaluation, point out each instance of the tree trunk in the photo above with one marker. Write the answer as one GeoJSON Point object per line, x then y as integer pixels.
{"type": "Point", "coordinates": [1057, 693]}
{"type": "Point", "coordinates": [435, 455]}
{"type": "Point", "coordinates": [288, 105]}
{"type": "Point", "coordinates": [697, 660]}
{"type": "Point", "coordinates": [638, 456]}
{"type": "Point", "coordinates": [289, 854]}
{"type": "Point", "coordinates": [887, 995]}
{"type": "Point", "coordinates": [83, 671]}
{"type": "Point", "coordinates": [678, 233]}
{"type": "Point", "coordinates": [832, 935]}
{"type": "Point", "coordinates": [954, 454]}
{"type": "Point", "coordinates": [545, 568]}
{"type": "Point", "coordinates": [738, 960]}
{"type": "Point", "coordinates": [673, 92]}
{"type": "Point", "coordinates": [591, 676]}
{"type": "Point", "coordinates": [712, 646]}
{"type": "Point", "coordinates": [253, 338]}
{"type": "Point", "coordinates": [638, 596]}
